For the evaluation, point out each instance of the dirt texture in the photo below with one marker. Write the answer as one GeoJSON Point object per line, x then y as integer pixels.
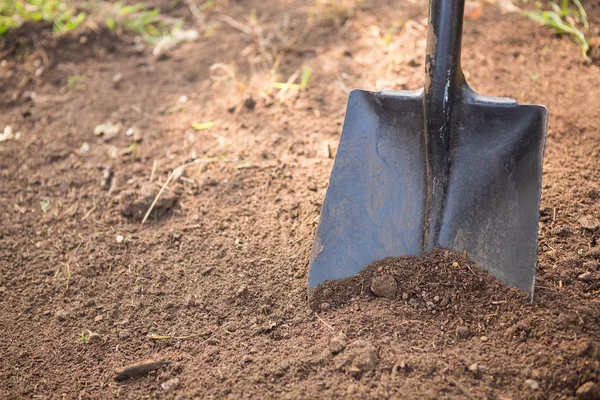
{"type": "Point", "coordinates": [212, 287]}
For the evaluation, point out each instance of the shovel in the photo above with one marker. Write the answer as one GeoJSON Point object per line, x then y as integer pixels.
{"type": "Point", "coordinates": [441, 166]}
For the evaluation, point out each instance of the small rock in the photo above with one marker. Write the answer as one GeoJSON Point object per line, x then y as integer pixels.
{"type": "Point", "coordinates": [531, 384]}
{"type": "Point", "coordinates": [137, 136]}
{"type": "Point", "coordinates": [586, 277]}
{"type": "Point", "coordinates": [107, 130]}
{"type": "Point", "coordinates": [241, 291]}
{"type": "Point", "coordinates": [249, 103]}
{"type": "Point", "coordinates": [463, 332]}
{"type": "Point", "coordinates": [247, 359]}
{"type": "Point", "coordinates": [474, 368]}
{"type": "Point", "coordinates": [93, 338]}
{"type": "Point", "coordinates": [384, 286]}
{"type": "Point", "coordinates": [124, 334]}
{"type": "Point", "coordinates": [589, 223]}
{"type": "Point", "coordinates": [117, 79]}
{"type": "Point", "coordinates": [170, 385]}
{"type": "Point", "coordinates": [483, 338]}
{"type": "Point", "coordinates": [61, 315]}
{"type": "Point", "coordinates": [324, 306]}
{"type": "Point", "coordinates": [436, 299]}
{"type": "Point", "coordinates": [365, 356]}
{"type": "Point", "coordinates": [98, 318]}
{"type": "Point", "coordinates": [107, 175]}
{"type": "Point", "coordinates": [85, 147]}
{"type": "Point", "coordinates": [337, 344]}
{"type": "Point", "coordinates": [405, 296]}
{"type": "Point", "coordinates": [119, 239]}
{"type": "Point", "coordinates": [583, 347]}
{"type": "Point", "coordinates": [588, 391]}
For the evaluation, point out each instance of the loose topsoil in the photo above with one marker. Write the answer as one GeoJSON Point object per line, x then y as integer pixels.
{"type": "Point", "coordinates": [212, 287]}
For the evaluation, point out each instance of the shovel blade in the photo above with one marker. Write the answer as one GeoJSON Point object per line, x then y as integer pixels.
{"type": "Point", "coordinates": [376, 203]}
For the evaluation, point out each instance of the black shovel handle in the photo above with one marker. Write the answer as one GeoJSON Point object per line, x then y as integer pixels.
{"type": "Point", "coordinates": [444, 76]}
{"type": "Point", "coordinates": [444, 87]}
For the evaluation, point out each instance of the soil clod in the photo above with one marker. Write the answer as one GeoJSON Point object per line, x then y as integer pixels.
{"type": "Point", "coordinates": [384, 286]}
{"type": "Point", "coordinates": [588, 391]}
{"type": "Point", "coordinates": [532, 385]}
{"type": "Point", "coordinates": [61, 315]}
{"type": "Point", "coordinates": [170, 385]}
{"type": "Point", "coordinates": [139, 369]}
{"type": "Point", "coordinates": [338, 343]}
{"type": "Point", "coordinates": [589, 223]}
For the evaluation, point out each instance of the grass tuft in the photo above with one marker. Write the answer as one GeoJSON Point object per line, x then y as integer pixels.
{"type": "Point", "coordinates": [565, 19]}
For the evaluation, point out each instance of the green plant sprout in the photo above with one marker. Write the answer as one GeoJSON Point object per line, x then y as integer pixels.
{"type": "Point", "coordinates": [565, 20]}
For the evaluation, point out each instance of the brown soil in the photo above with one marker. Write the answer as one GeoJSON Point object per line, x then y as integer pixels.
{"type": "Point", "coordinates": [220, 267]}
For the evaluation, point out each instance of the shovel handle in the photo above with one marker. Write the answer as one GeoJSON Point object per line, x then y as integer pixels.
{"type": "Point", "coordinates": [444, 84]}
{"type": "Point", "coordinates": [444, 76]}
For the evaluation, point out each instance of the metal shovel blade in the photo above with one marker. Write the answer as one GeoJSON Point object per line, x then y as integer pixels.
{"type": "Point", "coordinates": [376, 202]}
{"type": "Point", "coordinates": [442, 166]}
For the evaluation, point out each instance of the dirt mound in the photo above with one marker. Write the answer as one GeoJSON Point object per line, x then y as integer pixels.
{"type": "Point", "coordinates": [440, 281]}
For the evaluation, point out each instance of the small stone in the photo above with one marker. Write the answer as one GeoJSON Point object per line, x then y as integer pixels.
{"type": "Point", "coordinates": [241, 291]}
{"type": "Point", "coordinates": [583, 347]}
{"type": "Point", "coordinates": [249, 103]}
{"type": "Point", "coordinates": [589, 223]}
{"type": "Point", "coordinates": [85, 147]}
{"type": "Point", "coordinates": [474, 368]}
{"type": "Point", "coordinates": [137, 136]}
{"type": "Point", "coordinates": [119, 239]}
{"type": "Point", "coordinates": [98, 318]}
{"type": "Point", "coordinates": [365, 356]}
{"type": "Point", "coordinates": [124, 334]}
{"type": "Point", "coordinates": [483, 338]}
{"type": "Point", "coordinates": [436, 299]}
{"type": "Point", "coordinates": [405, 296]}
{"type": "Point", "coordinates": [384, 286]}
{"type": "Point", "coordinates": [117, 79]}
{"type": "Point", "coordinates": [586, 277]}
{"type": "Point", "coordinates": [588, 391]}
{"type": "Point", "coordinates": [247, 359]}
{"type": "Point", "coordinates": [463, 332]}
{"type": "Point", "coordinates": [170, 385]}
{"type": "Point", "coordinates": [337, 344]}
{"type": "Point", "coordinates": [107, 130]}
{"type": "Point", "coordinates": [93, 338]}
{"type": "Point", "coordinates": [61, 315]}
{"type": "Point", "coordinates": [324, 306]}
{"type": "Point", "coordinates": [531, 384]}
{"type": "Point", "coordinates": [107, 175]}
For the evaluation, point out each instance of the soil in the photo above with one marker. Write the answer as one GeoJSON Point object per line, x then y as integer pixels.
{"type": "Point", "coordinates": [212, 287]}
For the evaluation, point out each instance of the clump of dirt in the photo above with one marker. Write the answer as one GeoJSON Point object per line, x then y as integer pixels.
{"type": "Point", "coordinates": [135, 204]}
{"type": "Point", "coordinates": [436, 282]}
